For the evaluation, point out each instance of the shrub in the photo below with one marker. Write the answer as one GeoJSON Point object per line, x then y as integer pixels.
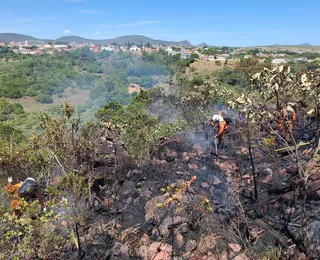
{"type": "Point", "coordinates": [45, 99]}
{"type": "Point", "coordinates": [197, 80]}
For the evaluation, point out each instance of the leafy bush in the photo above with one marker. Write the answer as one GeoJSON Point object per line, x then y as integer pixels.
{"type": "Point", "coordinates": [138, 129]}
{"type": "Point", "coordinates": [45, 98]}
{"type": "Point", "coordinates": [197, 80]}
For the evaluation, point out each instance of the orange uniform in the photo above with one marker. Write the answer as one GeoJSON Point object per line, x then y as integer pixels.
{"type": "Point", "coordinates": [223, 127]}
{"type": "Point", "coordinates": [286, 118]}
{"type": "Point", "coordinates": [16, 200]}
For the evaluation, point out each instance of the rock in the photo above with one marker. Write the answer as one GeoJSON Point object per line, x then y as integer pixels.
{"type": "Point", "coordinates": [130, 231]}
{"type": "Point", "coordinates": [159, 246]}
{"type": "Point", "coordinates": [64, 223]}
{"type": "Point", "coordinates": [168, 222]}
{"type": "Point", "coordinates": [232, 255]}
{"type": "Point", "coordinates": [108, 202]}
{"type": "Point", "coordinates": [170, 158]}
{"type": "Point", "coordinates": [135, 172]}
{"type": "Point", "coordinates": [186, 255]}
{"type": "Point", "coordinates": [224, 256]}
{"type": "Point", "coordinates": [120, 249]}
{"type": "Point", "coordinates": [200, 150]}
{"type": "Point", "coordinates": [204, 185]}
{"type": "Point", "coordinates": [210, 256]}
{"type": "Point", "coordinates": [216, 180]}
{"type": "Point", "coordinates": [157, 161]}
{"type": "Point", "coordinates": [183, 228]}
{"type": "Point", "coordinates": [191, 245]}
{"type": "Point", "coordinates": [313, 190]}
{"type": "Point", "coordinates": [179, 240]}
{"type": "Point", "coordinates": [192, 166]}
{"type": "Point", "coordinates": [171, 153]}
{"type": "Point", "coordinates": [155, 233]}
{"type": "Point", "coordinates": [292, 169]}
{"type": "Point", "coordinates": [127, 204]}
{"type": "Point", "coordinates": [124, 250]}
{"type": "Point", "coordinates": [206, 243]}
{"type": "Point", "coordinates": [306, 137]}
{"type": "Point", "coordinates": [236, 248]}
{"type": "Point", "coordinates": [282, 172]}
{"type": "Point", "coordinates": [143, 252]}
{"type": "Point", "coordinates": [290, 210]}
{"type": "Point", "coordinates": [185, 156]}
{"type": "Point", "coordinates": [161, 256]}
{"type": "Point", "coordinates": [240, 257]}
{"type": "Point", "coordinates": [302, 256]}
{"type": "Point", "coordinates": [145, 239]}
{"type": "Point", "coordinates": [127, 188]}
{"type": "Point", "coordinates": [254, 233]}
{"type": "Point", "coordinates": [151, 209]}
{"type": "Point", "coordinates": [265, 171]}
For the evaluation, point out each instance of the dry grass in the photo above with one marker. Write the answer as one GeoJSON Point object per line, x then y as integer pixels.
{"type": "Point", "coordinates": [291, 48]}
{"type": "Point", "coordinates": [205, 67]}
{"type": "Point", "coordinates": [76, 96]}
{"type": "Point", "coordinates": [31, 105]}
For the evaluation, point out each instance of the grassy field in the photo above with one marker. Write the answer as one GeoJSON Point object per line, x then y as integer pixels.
{"type": "Point", "coordinates": [31, 105]}
{"type": "Point", "coordinates": [33, 108]}
{"type": "Point", "coordinates": [207, 68]}
{"type": "Point", "coordinates": [289, 48]}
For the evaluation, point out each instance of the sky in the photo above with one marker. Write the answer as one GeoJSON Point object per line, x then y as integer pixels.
{"type": "Point", "coordinates": [229, 22]}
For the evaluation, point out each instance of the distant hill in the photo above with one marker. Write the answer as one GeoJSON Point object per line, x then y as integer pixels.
{"type": "Point", "coordinates": [135, 39]}
{"type": "Point", "coordinates": [202, 45]}
{"type": "Point", "coordinates": [138, 39]}
{"type": "Point", "coordinates": [14, 37]}
{"type": "Point", "coordinates": [305, 44]}
{"type": "Point", "coordinates": [76, 39]}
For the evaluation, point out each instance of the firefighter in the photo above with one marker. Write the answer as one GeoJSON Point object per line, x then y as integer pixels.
{"type": "Point", "coordinates": [219, 122]}
{"type": "Point", "coordinates": [27, 190]}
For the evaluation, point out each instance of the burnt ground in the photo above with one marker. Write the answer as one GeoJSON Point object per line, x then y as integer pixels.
{"type": "Point", "coordinates": [145, 213]}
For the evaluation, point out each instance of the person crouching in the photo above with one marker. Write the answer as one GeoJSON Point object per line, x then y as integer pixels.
{"type": "Point", "coordinates": [221, 126]}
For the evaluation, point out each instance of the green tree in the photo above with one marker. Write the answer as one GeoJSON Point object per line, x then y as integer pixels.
{"type": "Point", "coordinates": [138, 129]}
{"type": "Point", "coordinates": [194, 56]}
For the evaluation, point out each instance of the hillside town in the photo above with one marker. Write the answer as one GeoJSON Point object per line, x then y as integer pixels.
{"type": "Point", "coordinates": [276, 55]}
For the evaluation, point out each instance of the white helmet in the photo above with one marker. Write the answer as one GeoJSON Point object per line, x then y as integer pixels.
{"type": "Point", "coordinates": [217, 118]}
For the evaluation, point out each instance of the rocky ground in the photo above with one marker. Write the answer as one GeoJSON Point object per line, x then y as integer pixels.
{"type": "Point", "coordinates": [190, 204]}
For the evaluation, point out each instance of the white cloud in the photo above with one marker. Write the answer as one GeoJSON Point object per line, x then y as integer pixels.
{"type": "Point", "coordinates": [67, 32]}
{"type": "Point", "coordinates": [97, 33]}
{"type": "Point", "coordinates": [92, 12]}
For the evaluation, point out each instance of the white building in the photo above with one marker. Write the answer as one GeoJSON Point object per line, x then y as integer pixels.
{"type": "Point", "coordinates": [169, 49]}
{"type": "Point", "coordinates": [60, 46]}
{"type": "Point", "coordinates": [109, 48]}
{"type": "Point", "coordinates": [134, 48]}
{"type": "Point", "coordinates": [278, 61]}
{"type": "Point", "coordinates": [34, 43]}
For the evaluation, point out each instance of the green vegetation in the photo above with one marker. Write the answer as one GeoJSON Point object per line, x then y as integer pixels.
{"type": "Point", "coordinates": [138, 129]}
{"type": "Point", "coordinates": [64, 152]}
{"type": "Point", "coordinates": [106, 75]}
{"type": "Point", "coordinates": [61, 146]}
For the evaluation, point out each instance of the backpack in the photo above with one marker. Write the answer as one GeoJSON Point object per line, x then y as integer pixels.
{"type": "Point", "coordinates": [228, 120]}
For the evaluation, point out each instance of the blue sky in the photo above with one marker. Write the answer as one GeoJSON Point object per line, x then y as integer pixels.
{"type": "Point", "coordinates": [231, 23]}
